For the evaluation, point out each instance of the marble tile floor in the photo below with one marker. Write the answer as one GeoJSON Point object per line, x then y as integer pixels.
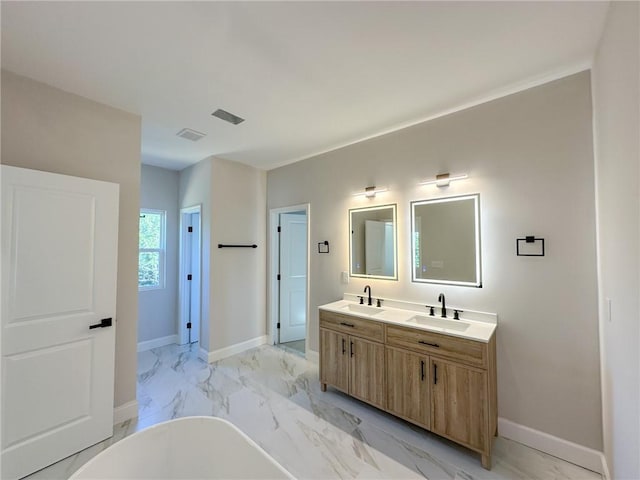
{"type": "Point", "coordinates": [297, 346]}
{"type": "Point", "coordinates": [274, 396]}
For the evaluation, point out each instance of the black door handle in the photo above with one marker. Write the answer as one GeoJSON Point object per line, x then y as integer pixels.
{"type": "Point", "coordinates": [430, 344]}
{"type": "Point", "coordinates": [435, 374]}
{"type": "Point", "coordinates": [344, 349]}
{"type": "Point", "coordinates": [105, 322]}
{"type": "Point", "coordinates": [422, 370]}
{"type": "Point", "coordinates": [351, 348]}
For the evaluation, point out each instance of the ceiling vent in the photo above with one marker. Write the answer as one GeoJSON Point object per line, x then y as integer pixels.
{"type": "Point", "coordinates": [227, 117]}
{"type": "Point", "coordinates": [190, 134]}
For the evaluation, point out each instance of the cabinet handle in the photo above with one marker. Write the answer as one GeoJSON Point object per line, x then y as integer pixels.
{"type": "Point", "coordinates": [430, 344]}
{"type": "Point", "coordinates": [351, 348]}
{"type": "Point", "coordinates": [435, 374]}
{"type": "Point", "coordinates": [422, 370]}
{"type": "Point", "coordinates": [350, 325]}
{"type": "Point", "coordinates": [344, 346]}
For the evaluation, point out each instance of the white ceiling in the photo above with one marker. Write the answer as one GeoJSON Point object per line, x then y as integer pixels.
{"type": "Point", "coordinates": [308, 77]}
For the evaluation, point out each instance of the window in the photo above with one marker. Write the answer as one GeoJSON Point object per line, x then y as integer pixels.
{"type": "Point", "coordinates": [152, 249]}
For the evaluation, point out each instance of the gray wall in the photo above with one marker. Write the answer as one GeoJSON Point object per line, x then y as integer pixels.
{"type": "Point", "coordinates": [158, 309]}
{"type": "Point", "coordinates": [232, 196]}
{"type": "Point", "coordinates": [238, 275]}
{"type": "Point", "coordinates": [616, 85]}
{"type": "Point", "coordinates": [47, 129]}
{"type": "Point", "coordinates": [530, 157]}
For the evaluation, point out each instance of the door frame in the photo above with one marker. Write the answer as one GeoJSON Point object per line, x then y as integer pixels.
{"type": "Point", "coordinates": [274, 260]}
{"type": "Point", "coordinates": [183, 300]}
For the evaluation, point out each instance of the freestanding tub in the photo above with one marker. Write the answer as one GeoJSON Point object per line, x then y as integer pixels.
{"type": "Point", "coordinates": [190, 447]}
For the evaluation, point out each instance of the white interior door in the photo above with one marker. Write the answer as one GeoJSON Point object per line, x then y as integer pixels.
{"type": "Point", "coordinates": [194, 285]}
{"type": "Point", "coordinates": [293, 277]}
{"type": "Point", "coordinates": [59, 257]}
{"type": "Point", "coordinates": [190, 276]}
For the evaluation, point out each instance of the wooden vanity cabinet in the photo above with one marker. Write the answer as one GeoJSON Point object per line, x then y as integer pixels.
{"type": "Point", "coordinates": [462, 385]}
{"type": "Point", "coordinates": [334, 360]}
{"type": "Point", "coordinates": [459, 400]}
{"type": "Point", "coordinates": [366, 381]}
{"type": "Point", "coordinates": [354, 362]}
{"type": "Point", "coordinates": [408, 386]}
{"type": "Point", "coordinates": [443, 383]}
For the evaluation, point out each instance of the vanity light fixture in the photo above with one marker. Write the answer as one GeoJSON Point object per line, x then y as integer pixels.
{"type": "Point", "coordinates": [371, 192]}
{"type": "Point", "coordinates": [444, 179]}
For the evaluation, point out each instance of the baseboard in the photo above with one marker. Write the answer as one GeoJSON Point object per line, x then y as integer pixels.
{"type": "Point", "coordinates": [203, 354]}
{"type": "Point", "coordinates": [558, 447]}
{"type": "Point", "coordinates": [225, 352]}
{"type": "Point", "coordinates": [606, 475]}
{"type": "Point", "coordinates": [157, 342]}
{"type": "Point", "coordinates": [312, 356]}
{"type": "Point", "coordinates": [125, 412]}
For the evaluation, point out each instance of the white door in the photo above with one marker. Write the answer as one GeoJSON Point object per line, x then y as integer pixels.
{"type": "Point", "coordinates": [293, 277]}
{"type": "Point", "coordinates": [194, 284]}
{"type": "Point", "coordinates": [59, 256]}
{"type": "Point", "coordinates": [190, 275]}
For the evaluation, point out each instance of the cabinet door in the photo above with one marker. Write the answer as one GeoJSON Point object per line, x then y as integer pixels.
{"type": "Point", "coordinates": [408, 385]}
{"type": "Point", "coordinates": [459, 403]}
{"type": "Point", "coordinates": [367, 371]}
{"type": "Point", "coordinates": [334, 359]}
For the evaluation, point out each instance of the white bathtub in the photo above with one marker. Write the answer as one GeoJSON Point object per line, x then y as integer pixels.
{"type": "Point", "coordinates": [190, 447]}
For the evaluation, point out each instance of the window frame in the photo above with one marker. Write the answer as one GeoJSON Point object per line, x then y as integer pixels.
{"type": "Point", "coordinates": [162, 250]}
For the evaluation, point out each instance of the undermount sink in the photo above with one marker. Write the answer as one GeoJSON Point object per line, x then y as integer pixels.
{"type": "Point", "coordinates": [357, 308]}
{"type": "Point", "coordinates": [439, 322]}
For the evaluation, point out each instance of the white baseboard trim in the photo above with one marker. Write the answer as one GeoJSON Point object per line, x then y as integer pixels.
{"type": "Point", "coordinates": [225, 352]}
{"type": "Point", "coordinates": [157, 342]}
{"type": "Point", "coordinates": [203, 354]}
{"type": "Point", "coordinates": [312, 356]}
{"type": "Point", "coordinates": [606, 475]}
{"type": "Point", "coordinates": [558, 447]}
{"type": "Point", "coordinates": [125, 412]}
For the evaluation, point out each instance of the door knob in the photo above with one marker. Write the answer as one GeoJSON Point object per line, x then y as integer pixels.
{"type": "Point", "coordinates": [105, 322]}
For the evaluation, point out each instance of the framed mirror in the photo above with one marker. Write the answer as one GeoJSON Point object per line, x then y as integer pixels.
{"type": "Point", "coordinates": [445, 241]}
{"type": "Point", "coordinates": [373, 249]}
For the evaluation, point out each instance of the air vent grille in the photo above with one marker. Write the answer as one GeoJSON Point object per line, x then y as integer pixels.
{"type": "Point", "coordinates": [227, 117]}
{"type": "Point", "coordinates": [190, 134]}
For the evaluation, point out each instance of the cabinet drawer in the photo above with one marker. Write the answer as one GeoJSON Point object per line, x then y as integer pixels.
{"type": "Point", "coordinates": [352, 325]}
{"type": "Point", "coordinates": [466, 351]}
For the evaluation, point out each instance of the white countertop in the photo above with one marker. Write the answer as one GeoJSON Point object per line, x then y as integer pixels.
{"type": "Point", "coordinates": [480, 331]}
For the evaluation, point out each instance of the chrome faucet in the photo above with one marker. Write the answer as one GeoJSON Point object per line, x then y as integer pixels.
{"type": "Point", "coordinates": [444, 307]}
{"type": "Point", "coordinates": [367, 287]}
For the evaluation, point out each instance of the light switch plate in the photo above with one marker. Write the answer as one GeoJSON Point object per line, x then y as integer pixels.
{"type": "Point", "coordinates": [345, 277]}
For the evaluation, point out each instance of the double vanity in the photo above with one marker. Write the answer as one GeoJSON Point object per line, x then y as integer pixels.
{"type": "Point", "coordinates": [425, 364]}
{"type": "Point", "coordinates": [438, 373]}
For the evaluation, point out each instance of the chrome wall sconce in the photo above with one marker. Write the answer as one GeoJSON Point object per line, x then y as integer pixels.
{"type": "Point", "coordinates": [371, 192]}
{"type": "Point", "coordinates": [443, 179]}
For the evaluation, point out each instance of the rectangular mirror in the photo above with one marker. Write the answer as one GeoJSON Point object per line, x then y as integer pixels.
{"type": "Point", "coordinates": [445, 241]}
{"type": "Point", "coordinates": [372, 245]}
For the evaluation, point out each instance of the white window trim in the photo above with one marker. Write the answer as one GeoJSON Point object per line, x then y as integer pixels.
{"type": "Point", "coordinates": [162, 250]}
